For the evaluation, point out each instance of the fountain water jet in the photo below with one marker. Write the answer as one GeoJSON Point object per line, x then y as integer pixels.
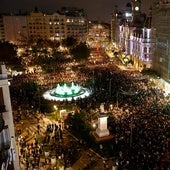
{"type": "Point", "coordinates": [67, 91]}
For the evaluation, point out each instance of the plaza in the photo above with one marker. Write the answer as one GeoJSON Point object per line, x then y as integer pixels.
{"type": "Point", "coordinates": [82, 95]}
{"type": "Point", "coordinates": [129, 115]}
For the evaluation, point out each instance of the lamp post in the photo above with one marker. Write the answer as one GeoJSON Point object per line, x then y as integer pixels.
{"type": "Point", "coordinates": [117, 96]}
{"type": "Point", "coordinates": [117, 102]}
{"type": "Point", "coordinates": [110, 87]}
{"type": "Point", "coordinates": [55, 108]}
{"type": "Point", "coordinates": [131, 132]}
{"type": "Point", "coordinates": [94, 83]}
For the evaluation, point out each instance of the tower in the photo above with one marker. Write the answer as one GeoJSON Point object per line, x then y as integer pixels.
{"type": "Point", "coordinates": [136, 7]}
{"type": "Point", "coordinates": [128, 12]}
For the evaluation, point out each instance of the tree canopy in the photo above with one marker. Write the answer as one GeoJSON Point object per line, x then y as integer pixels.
{"type": "Point", "coordinates": [69, 42]}
{"type": "Point", "coordinates": [81, 52]}
{"type": "Point", "coordinates": [8, 54]}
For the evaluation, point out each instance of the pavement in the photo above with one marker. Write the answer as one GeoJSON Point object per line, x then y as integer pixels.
{"type": "Point", "coordinates": [88, 159]}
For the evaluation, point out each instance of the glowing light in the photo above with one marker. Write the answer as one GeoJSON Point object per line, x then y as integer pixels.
{"type": "Point", "coordinates": [67, 91]}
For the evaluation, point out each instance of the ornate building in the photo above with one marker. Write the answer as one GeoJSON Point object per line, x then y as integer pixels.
{"type": "Point", "coordinates": [135, 35]}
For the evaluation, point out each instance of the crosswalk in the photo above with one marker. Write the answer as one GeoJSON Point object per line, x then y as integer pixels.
{"type": "Point", "coordinates": [32, 131]}
{"type": "Point", "coordinates": [84, 162]}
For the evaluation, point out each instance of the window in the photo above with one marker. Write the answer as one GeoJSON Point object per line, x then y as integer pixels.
{"type": "Point", "coordinates": [145, 50]}
{"type": "Point", "coordinates": [145, 34]}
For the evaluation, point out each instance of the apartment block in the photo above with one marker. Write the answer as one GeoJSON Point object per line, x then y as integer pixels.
{"type": "Point", "coordinates": [161, 23]}
{"type": "Point", "coordinates": [15, 28]}
{"type": "Point", "coordinates": [2, 33]}
{"type": "Point", "coordinates": [38, 25]}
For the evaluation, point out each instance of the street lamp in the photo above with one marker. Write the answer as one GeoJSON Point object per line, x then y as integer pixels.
{"type": "Point", "coordinates": [117, 102]}
{"type": "Point", "coordinates": [117, 95]}
{"type": "Point", "coordinates": [55, 108]}
{"type": "Point", "coordinates": [94, 125]}
{"type": "Point", "coordinates": [110, 86]}
{"type": "Point", "coordinates": [131, 132]}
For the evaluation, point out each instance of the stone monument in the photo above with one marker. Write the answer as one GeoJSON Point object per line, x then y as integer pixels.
{"type": "Point", "coordinates": [102, 130]}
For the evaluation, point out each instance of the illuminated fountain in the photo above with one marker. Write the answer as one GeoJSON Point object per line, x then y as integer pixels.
{"type": "Point", "coordinates": [67, 91]}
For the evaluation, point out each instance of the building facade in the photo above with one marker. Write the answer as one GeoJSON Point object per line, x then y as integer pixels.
{"type": "Point", "coordinates": [69, 22]}
{"type": "Point", "coordinates": [45, 26]}
{"type": "Point", "coordinates": [136, 36]}
{"type": "Point", "coordinates": [2, 32]}
{"type": "Point", "coordinates": [161, 23]}
{"type": "Point", "coordinates": [8, 150]}
{"type": "Point", "coordinates": [76, 23]}
{"type": "Point", "coordinates": [15, 28]}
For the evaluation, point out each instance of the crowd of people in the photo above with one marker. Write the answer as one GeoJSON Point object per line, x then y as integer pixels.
{"type": "Point", "coordinates": [30, 153]}
{"type": "Point", "coordinates": [139, 110]}
{"type": "Point", "coordinates": [46, 145]}
{"type": "Point", "coordinates": [141, 116]}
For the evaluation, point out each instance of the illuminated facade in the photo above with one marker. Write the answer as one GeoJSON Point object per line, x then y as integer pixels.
{"type": "Point", "coordinates": [76, 23]}
{"type": "Point", "coordinates": [142, 47]}
{"type": "Point", "coordinates": [43, 26]}
{"type": "Point", "coordinates": [136, 35]}
{"type": "Point", "coordinates": [38, 25]}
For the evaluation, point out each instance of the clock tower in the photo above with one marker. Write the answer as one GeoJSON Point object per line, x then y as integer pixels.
{"type": "Point", "coordinates": [136, 7]}
{"type": "Point", "coordinates": [136, 10]}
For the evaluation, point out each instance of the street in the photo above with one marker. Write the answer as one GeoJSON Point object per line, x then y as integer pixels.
{"type": "Point", "coordinates": [87, 159]}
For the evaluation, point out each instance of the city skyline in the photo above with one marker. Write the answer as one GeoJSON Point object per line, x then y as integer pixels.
{"type": "Point", "coordinates": [96, 10]}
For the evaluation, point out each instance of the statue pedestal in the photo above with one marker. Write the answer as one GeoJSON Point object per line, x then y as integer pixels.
{"type": "Point", "coordinates": [102, 130]}
{"type": "Point", "coordinates": [101, 139]}
{"type": "Point", "coordinates": [102, 133]}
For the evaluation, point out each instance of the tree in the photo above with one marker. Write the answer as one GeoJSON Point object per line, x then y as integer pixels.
{"type": "Point", "coordinates": [152, 73]}
{"type": "Point", "coordinates": [7, 51]}
{"type": "Point", "coordinates": [69, 42]}
{"type": "Point", "coordinates": [49, 64]}
{"type": "Point", "coordinates": [8, 55]}
{"type": "Point", "coordinates": [79, 125]}
{"type": "Point", "coordinates": [30, 90]}
{"type": "Point", "coordinates": [81, 52]}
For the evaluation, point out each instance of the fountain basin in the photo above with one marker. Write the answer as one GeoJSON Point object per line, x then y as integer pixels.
{"type": "Point", "coordinates": [67, 91]}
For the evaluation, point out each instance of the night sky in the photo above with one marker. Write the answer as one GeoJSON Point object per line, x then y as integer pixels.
{"type": "Point", "coordinates": [95, 9]}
